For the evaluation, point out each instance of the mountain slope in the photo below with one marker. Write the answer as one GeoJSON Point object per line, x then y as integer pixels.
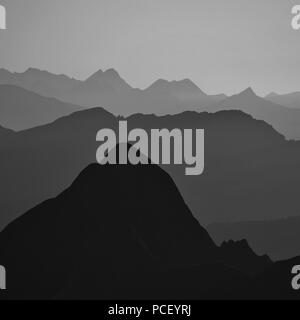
{"type": "Point", "coordinates": [107, 89]}
{"type": "Point", "coordinates": [41, 82]}
{"type": "Point", "coordinates": [21, 109]}
{"type": "Point", "coordinates": [119, 232]}
{"type": "Point", "coordinates": [290, 100]}
{"type": "Point", "coordinates": [246, 162]}
{"type": "Point", "coordinates": [284, 120]}
{"type": "Point", "coordinates": [279, 238]}
{"type": "Point", "coordinates": [5, 132]}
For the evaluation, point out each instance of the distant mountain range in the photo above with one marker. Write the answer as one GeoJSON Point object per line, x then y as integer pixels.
{"type": "Point", "coordinates": [41, 82]}
{"type": "Point", "coordinates": [290, 100]}
{"type": "Point", "coordinates": [109, 90]}
{"type": "Point", "coordinates": [21, 109]}
{"type": "Point", "coordinates": [124, 232]}
{"type": "Point", "coordinates": [251, 172]}
{"type": "Point", "coordinates": [284, 120]}
{"type": "Point", "coordinates": [279, 238]}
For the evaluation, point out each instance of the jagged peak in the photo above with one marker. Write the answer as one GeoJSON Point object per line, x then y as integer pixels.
{"type": "Point", "coordinates": [272, 95]}
{"type": "Point", "coordinates": [111, 72]}
{"type": "Point", "coordinates": [97, 74]}
{"type": "Point", "coordinates": [248, 91]}
{"type": "Point", "coordinates": [31, 70]}
{"type": "Point", "coordinates": [186, 83]}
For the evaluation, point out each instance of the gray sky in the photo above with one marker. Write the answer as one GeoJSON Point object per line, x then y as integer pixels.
{"type": "Point", "coordinates": [222, 45]}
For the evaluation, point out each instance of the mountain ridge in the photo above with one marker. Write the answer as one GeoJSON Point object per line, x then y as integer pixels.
{"type": "Point", "coordinates": [22, 109]}
{"type": "Point", "coordinates": [120, 242]}
{"type": "Point", "coordinates": [250, 152]}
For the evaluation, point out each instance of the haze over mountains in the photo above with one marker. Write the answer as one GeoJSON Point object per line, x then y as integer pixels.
{"type": "Point", "coordinates": [291, 100]}
{"type": "Point", "coordinates": [41, 82]}
{"type": "Point", "coordinates": [284, 120]}
{"type": "Point", "coordinates": [246, 162]}
{"type": "Point", "coordinates": [251, 170]}
{"type": "Point", "coordinates": [109, 90]}
{"type": "Point", "coordinates": [21, 109]}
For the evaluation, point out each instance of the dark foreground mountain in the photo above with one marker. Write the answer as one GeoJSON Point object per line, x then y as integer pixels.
{"type": "Point", "coordinates": [5, 133]}
{"type": "Point", "coordinates": [125, 232]}
{"type": "Point", "coordinates": [22, 109]}
{"type": "Point", "coordinates": [251, 172]}
{"type": "Point", "coordinates": [279, 238]}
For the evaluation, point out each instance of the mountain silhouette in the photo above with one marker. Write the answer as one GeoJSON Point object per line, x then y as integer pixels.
{"type": "Point", "coordinates": [284, 120]}
{"type": "Point", "coordinates": [122, 232]}
{"type": "Point", "coordinates": [108, 89]}
{"type": "Point", "coordinates": [250, 169]}
{"type": "Point", "coordinates": [41, 82]}
{"type": "Point", "coordinates": [22, 109]}
{"type": "Point", "coordinates": [278, 238]}
{"type": "Point", "coordinates": [5, 133]}
{"type": "Point", "coordinates": [290, 100]}
{"type": "Point", "coordinates": [183, 94]}
{"type": "Point", "coordinates": [105, 89]}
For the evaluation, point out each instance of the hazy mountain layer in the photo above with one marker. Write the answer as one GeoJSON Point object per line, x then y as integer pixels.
{"type": "Point", "coordinates": [251, 172]}
{"type": "Point", "coordinates": [284, 120]}
{"type": "Point", "coordinates": [290, 100]}
{"type": "Point", "coordinates": [107, 89]}
{"type": "Point", "coordinates": [22, 109]}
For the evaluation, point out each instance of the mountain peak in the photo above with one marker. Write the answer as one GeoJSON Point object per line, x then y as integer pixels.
{"type": "Point", "coordinates": [33, 71]}
{"type": "Point", "coordinates": [111, 72]}
{"type": "Point", "coordinates": [96, 75]}
{"type": "Point", "coordinates": [248, 91]}
{"type": "Point", "coordinates": [3, 70]}
{"type": "Point", "coordinates": [272, 95]}
{"type": "Point", "coordinates": [184, 84]}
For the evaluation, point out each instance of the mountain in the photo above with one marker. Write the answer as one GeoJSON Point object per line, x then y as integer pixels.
{"type": "Point", "coordinates": [182, 94]}
{"type": "Point", "coordinates": [271, 95]}
{"type": "Point", "coordinates": [283, 119]}
{"type": "Point", "coordinates": [124, 232]}
{"type": "Point", "coordinates": [290, 100]}
{"type": "Point", "coordinates": [5, 132]}
{"type": "Point", "coordinates": [22, 109]}
{"type": "Point", "coordinates": [108, 89]}
{"type": "Point", "coordinates": [279, 238]}
{"type": "Point", "coordinates": [251, 172]}
{"type": "Point", "coordinates": [41, 82]}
